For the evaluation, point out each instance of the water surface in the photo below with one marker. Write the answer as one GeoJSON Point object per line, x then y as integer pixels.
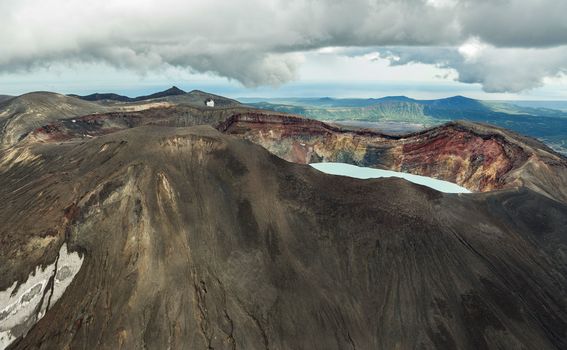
{"type": "Point", "coordinates": [371, 173]}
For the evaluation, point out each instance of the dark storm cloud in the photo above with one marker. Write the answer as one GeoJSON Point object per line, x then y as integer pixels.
{"type": "Point", "coordinates": [259, 42]}
{"type": "Point", "coordinates": [515, 23]}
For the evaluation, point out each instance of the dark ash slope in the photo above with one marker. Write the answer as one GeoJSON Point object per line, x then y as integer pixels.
{"type": "Point", "coordinates": [195, 239]}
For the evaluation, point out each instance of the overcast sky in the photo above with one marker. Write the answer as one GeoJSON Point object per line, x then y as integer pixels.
{"type": "Point", "coordinates": [497, 49]}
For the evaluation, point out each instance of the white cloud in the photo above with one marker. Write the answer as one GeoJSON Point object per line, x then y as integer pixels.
{"type": "Point", "coordinates": [442, 3]}
{"type": "Point", "coordinates": [263, 42]}
{"type": "Point", "coordinates": [496, 69]}
{"type": "Point", "coordinates": [472, 49]}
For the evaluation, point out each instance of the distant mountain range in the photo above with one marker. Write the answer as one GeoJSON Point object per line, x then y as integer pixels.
{"type": "Point", "coordinates": [173, 91]}
{"type": "Point", "coordinates": [173, 94]}
{"type": "Point", "coordinates": [547, 124]}
{"type": "Point", "coordinates": [557, 105]}
{"type": "Point", "coordinates": [445, 107]}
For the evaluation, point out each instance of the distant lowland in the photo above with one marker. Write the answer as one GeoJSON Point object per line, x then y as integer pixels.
{"type": "Point", "coordinates": [545, 120]}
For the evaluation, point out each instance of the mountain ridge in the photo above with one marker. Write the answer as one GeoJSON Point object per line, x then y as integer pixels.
{"type": "Point", "coordinates": [5, 97]}
{"type": "Point", "coordinates": [172, 91]}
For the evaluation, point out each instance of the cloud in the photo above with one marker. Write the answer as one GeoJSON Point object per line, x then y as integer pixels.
{"type": "Point", "coordinates": [515, 23]}
{"type": "Point", "coordinates": [496, 69]}
{"type": "Point", "coordinates": [261, 42]}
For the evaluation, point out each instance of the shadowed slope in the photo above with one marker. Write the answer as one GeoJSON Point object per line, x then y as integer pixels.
{"type": "Point", "coordinates": [194, 239]}
{"type": "Point", "coordinates": [5, 98]}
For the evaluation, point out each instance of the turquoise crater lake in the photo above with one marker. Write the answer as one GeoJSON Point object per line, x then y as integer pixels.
{"type": "Point", "coordinates": [371, 173]}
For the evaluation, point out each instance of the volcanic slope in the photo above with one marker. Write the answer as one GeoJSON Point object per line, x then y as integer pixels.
{"type": "Point", "coordinates": [195, 239]}
{"type": "Point", "coordinates": [476, 156]}
{"type": "Point", "coordinates": [21, 114]}
{"type": "Point", "coordinates": [479, 157]}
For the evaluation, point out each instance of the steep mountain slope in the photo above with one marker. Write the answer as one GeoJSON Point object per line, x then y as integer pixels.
{"type": "Point", "coordinates": [195, 239]}
{"type": "Point", "coordinates": [478, 157]}
{"type": "Point", "coordinates": [22, 114]}
{"type": "Point", "coordinates": [5, 97]}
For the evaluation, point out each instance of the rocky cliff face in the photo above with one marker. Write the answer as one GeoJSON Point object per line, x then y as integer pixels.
{"type": "Point", "coordinates": [478, 157]}
{"type": "Point", "coordinates": [194, 239]}
{"type": "Point", "coordinates": [53, 114]}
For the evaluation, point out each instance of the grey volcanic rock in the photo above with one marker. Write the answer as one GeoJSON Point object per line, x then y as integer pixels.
{"type": "Point", "coordinates": [477, 156]}
{"type": "Point", "coordinates": [195, 239]}
{"type": "Point", "coordinates": [22, 114]}
{"type": "Point", "coordinates": [5, 97]}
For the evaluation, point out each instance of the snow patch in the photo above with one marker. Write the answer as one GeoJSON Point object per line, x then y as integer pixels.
{"type": "Point", "coordinates": [21, 309]}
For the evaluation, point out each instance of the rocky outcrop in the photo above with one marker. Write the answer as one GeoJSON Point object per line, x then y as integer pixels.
{"type": "Point", "coordinates": [195, 239]}
{"type": "Point", "coordinates": [478, 157]}
{"type": "Point", "coordinates": [51, 113]}
{"type": "Point", "coordinates": [21, 114]}
{"type": "Point", "coordinates": [93, 125]}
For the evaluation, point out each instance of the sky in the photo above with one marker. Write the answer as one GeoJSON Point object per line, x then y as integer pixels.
{"type": "Point", "coordinates": [487, 49]}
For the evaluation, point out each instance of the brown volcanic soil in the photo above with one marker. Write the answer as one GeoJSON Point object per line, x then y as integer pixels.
{"type": "Point", "coordinates": [195, 239]}
{"type": "Point", "coordinates": [19, 116]}
{"type": "Point", "coordinates": [479, 157]}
